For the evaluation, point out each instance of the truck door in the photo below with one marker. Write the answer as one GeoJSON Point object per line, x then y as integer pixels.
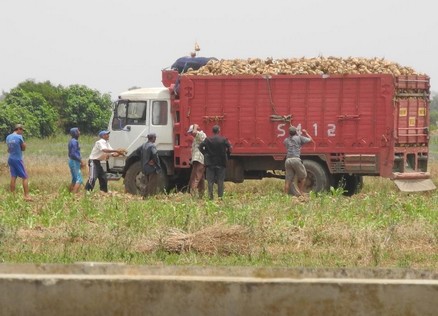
{"type": "Point", "coordinates": [160, 124]}
{"type": "Point", "coordinates": [129, 124]}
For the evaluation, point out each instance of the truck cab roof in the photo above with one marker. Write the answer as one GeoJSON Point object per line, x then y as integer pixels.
{"type": "Point", "coordinates": [145, 93]}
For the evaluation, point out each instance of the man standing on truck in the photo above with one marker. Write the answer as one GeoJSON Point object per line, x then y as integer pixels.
{"type": "Point", "coordinates": [197, 182]}
{"type": "Point", "coordinates": [216, 150]}
{"type": "Point", "coordinates": [100, 152]}
{"type": "Point", "coordinates": [293, 165]}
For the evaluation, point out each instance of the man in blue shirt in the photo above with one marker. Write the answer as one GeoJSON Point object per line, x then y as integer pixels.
{"type": "Point", "coordinates": [75, 161]}
{"type": "Point", "coordinates": [16, 146]}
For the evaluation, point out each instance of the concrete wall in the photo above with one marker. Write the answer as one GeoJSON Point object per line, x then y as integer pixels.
{"type": "Point", "coordinates": [107, 289]}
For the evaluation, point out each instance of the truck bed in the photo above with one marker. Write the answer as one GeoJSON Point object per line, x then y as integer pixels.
{"type": "Point", "coordinates": [352, 118]}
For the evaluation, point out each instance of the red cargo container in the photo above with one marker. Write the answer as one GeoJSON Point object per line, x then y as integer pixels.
{"type": "Point", "coordinates": [373, 125]}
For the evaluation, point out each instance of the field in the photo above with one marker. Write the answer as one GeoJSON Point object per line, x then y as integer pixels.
{"type": "Point", "coordinates": [254, 225]}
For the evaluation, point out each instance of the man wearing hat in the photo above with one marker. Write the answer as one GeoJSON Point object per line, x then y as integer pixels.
{"type": "Point", "coordinates": [293, 165]}
{"type": "Point", "coordinates": [101, 151]}
{"type": "Point", "coordinates": [197, 182]}
{"type": "Point", "coordinates": [16, 146]}
{"type": "Point", "coordinates": [150, 163]}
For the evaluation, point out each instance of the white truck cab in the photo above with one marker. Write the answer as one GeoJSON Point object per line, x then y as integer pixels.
{"type": "Point", "coordinates": [136, 114]}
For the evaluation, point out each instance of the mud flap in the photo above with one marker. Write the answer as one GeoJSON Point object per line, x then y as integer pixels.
{"type": "Point", "coordinates": [415, 185]}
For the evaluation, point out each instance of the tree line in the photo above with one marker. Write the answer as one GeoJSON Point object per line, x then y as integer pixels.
{"type": "Point", "coordinates": [46, 109]}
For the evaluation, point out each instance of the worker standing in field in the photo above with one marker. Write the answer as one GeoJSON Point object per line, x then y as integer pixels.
{"type": "Point", "coordinates": [216, 150]}
{"type": "Point", "coordinates": [197, 182]}
{"type": "Point", "coordinates": [151, 167]}
{"type": "Point", "coordinates": [16, 146]}
{"type": "Point", "coordinates": [75, 161]}
{"type": "Point", "coordinates": [293, 165]}
{"type": "Point", "coordinates": [101, 151]}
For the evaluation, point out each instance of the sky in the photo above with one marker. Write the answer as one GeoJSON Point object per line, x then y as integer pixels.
{"type": "Point", "coordinates": [114, 45]}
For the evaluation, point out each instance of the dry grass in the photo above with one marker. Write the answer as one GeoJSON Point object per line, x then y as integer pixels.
{"type": "Point", "coordinates": [323, 245]}
{"type": "Point", "coordinates": [255, 224]}
{"type": "Point", "coordinates": [217, 239]}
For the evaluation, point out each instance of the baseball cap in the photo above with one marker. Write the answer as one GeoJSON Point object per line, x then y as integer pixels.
{"type": "Point", "coordinates": [18, 126]}
{"type": "Point", "coordinates": [101, 133]}
{"type": "Point", "coordinates": [190, 129]}
{"type": "Point", "coordinates": [152, 135]}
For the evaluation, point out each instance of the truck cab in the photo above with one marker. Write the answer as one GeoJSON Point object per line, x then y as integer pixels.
{"type": "Point", "coordinates": [136, 114]}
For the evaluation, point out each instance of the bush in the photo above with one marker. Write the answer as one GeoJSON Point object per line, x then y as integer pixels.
{"type": "Point", "coordinates": [44, 109]}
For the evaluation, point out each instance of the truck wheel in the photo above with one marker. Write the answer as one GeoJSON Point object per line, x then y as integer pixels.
{"type": "Point", "coordinates": [134, 179]}
{"type": "Point", "coordinates": [352, 184]}
{"type": "Point", "coordinates": [317, 178]}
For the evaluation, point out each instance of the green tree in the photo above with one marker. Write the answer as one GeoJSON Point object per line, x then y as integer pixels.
{"type": "Point", "coordinates": [44, 108]}
{"type": "Point", "coordinates": [10, 115]}
{"type": "Point", "coordinates": [52, 94]}
{"type": "Point", "coordinates": [85, 108]}
{"type": "Point", "coordinates": [30, 109]}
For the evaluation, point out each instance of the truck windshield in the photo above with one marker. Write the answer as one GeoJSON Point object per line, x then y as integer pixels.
{"type": "Point", "coordinates": [129, 113]}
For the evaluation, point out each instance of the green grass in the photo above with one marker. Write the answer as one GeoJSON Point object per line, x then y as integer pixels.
{"type": "Point", "coordinates": [380, 227]}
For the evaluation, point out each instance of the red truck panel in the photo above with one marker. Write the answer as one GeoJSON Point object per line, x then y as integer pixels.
{"type": "Point", "coordinates": [357, 121]}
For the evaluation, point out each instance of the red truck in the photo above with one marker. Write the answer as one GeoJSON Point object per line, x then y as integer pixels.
{"type": "Point", "coordinates": [362, 125]}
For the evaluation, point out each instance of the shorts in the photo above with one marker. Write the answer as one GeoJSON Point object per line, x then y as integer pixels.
{"type": "Point", "coordinates": [294, 166]}
{"type": "Point", "coordinates": [75, 170]}
{"type": "Point", "coordinates": [17, 169]}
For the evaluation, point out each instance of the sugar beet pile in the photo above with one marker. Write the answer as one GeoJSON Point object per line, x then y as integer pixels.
{"type": "Point", "coordinates": [303, 66]}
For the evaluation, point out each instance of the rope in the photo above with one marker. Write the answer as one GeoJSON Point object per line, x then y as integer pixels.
{"type": "Point", "coordinates": [270, 95]}
{"type": "Point", "coordinates": [276, 117]}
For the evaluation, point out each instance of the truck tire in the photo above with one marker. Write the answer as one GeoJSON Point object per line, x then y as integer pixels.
{"type": "Point", "coordinates": [317, 180]}
{"type": "Point", "coordinates": [133, 179]}
{"type": "Point", "coordinates": [351, 183]}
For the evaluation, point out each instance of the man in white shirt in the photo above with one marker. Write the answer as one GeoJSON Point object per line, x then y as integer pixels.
{"type": "Point", "coordinates": [197, 182]}
{"type": "Point", "coordinates": [101, 151]}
